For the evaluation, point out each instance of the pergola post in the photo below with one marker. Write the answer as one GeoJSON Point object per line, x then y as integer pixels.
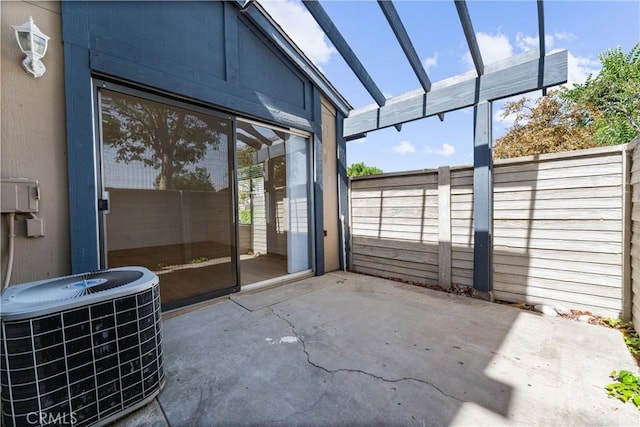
{"type": "Point", "coordinates": [483, 202]}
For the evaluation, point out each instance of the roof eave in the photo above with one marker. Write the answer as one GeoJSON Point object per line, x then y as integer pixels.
{"type": "Point", "coordinates": [261, 18]}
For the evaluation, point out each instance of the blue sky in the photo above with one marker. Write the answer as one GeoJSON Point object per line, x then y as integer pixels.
{"type": "Point", "coordinates": [503, 28]}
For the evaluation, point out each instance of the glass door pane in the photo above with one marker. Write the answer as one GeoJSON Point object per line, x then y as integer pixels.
{"type": "Point", "coordinates": [273, 202]}
{"type": "Point", "coordinates": [166, 169]}
{"type": "Point", "coordinates": [297, 204]}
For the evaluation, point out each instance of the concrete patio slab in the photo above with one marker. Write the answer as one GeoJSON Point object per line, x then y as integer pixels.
{"type": "Point", "coordinates": [255, 300]}
{"type": "Point", "coordinates": [347, 349]}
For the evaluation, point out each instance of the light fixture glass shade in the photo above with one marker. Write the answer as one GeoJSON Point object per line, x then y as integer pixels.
{"type": "Point", "coordinates": [39, 45]}
{"type": "Point", "coordinates": [24, 41]}
{"type": "Point", "coordinates": [33, 43]}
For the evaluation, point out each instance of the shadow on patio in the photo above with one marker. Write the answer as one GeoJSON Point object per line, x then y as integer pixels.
{"type": "Point", "coordinates": [351, 349]}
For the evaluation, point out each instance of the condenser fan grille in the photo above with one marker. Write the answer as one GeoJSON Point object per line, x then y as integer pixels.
{"type": "Point", "coordinates": [89, 362]}
{"type": "Point", "coordinates": [77, 286]}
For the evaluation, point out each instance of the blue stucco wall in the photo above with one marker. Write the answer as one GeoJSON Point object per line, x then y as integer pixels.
{"type": "Point", "coordinates": [207, 52]}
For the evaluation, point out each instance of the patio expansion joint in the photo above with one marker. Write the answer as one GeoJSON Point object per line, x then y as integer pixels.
{"type": "Point", "coordinates": [358, 371]}
{"type": "Point", "coordinates": [162, 411]}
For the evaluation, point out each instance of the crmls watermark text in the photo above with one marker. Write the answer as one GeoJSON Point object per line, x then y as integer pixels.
{"type": "Point", "coordinates": [53, 418]}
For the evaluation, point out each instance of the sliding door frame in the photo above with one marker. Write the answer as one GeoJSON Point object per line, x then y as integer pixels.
{"type": "Point", "coordinates": [150, 95]}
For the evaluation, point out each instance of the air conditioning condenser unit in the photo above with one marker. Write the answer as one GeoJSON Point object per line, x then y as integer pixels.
{"type": "Point", "coordinates": [80, 350]}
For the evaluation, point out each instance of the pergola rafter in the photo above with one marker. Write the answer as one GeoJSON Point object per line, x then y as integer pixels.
{"type": "Point", "coordinates": [317, 11]}
{"type": "Point", "coordinates": [541, 35]}
{"type": "Point", "coordinates": [470, 35]}
{"type": "Point", "coordinates": [251, 130]}
{"type": "Point", "coordinates": [341, 45]}
{"type": "Point", "coordinates": [390, 12]}
{"type": "Point", "coordinates": [541, 43]}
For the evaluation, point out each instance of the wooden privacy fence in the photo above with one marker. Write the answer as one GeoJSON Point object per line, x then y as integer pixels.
{"type": "Point", "coordinates": [558, 228]}
{"type": "Point", "coordinates": [634, 149]}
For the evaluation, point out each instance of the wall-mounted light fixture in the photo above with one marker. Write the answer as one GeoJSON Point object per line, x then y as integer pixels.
{"type": "Point", "coordinates": [33, 43]}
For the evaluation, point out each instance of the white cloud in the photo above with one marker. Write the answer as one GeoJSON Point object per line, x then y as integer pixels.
{"type": "Point", "coordinates": [579, 69]}
{"type": "Point", "coordinates": [492, 48]}
{"type": "Point", "coordinates": [527, 42]}
{"type": "Point", "coordinates": [551, 40]}
{"type": "Point", "coordinates": [445, 150]}
{"type": "Point", "coordinates": [430, 61]}
{"type": "Point", "coordinates": [296, 21]}
{"type": "Point", "coordinates": [404, 147]}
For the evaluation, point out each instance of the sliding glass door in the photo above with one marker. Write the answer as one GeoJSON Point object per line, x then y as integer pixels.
{"type": "Point", "coordinates": [207, 201]}
{"type": "Point", "coordinates": [273, 202]}
{"type": "Point", "coordinates": [166, 173]}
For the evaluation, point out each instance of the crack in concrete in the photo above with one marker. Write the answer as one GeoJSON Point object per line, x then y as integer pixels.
{"type": "Point", "coordinates": [309, 409]}
{"type": "Point", "coordinates": [163, 412]}
{"type": "Point", "coordinates": [357, 371]}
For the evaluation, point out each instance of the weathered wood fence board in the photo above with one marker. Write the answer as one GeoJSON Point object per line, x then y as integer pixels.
{"type": "Point", "coordinates": [395, 227]}
{"type": "Point", "coordinates": [634, 226]}
{"type": "Point", "coordinates": [558, 228]}
{"type": "Point", "coordinates": [461, 215]}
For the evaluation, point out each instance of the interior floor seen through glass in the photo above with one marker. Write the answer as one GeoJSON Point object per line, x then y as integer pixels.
{"type": "Point", "coordinates": [166, 169]}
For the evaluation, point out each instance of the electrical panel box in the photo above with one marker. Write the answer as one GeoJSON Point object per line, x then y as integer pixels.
{"type": "Point", "coordinates": [19, 195]}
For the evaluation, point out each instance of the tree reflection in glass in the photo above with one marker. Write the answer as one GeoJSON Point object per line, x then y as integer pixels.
{"type": "Point", "coordinates": [169, 139]}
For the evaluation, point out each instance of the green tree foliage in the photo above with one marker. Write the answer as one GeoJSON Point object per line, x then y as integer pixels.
{"type": "Point", "coordinates": [615, 92]}
{"type": "Point", "coordinates": [604, 110]}
{"type": "Point", "coordinates": [165, 138]}
{"type": "Point", "coordinates": [245, 156]}
{"type": "Point", "coordinates": [244, 215]}
{"type": "Point", "coordinates": [360, 169]}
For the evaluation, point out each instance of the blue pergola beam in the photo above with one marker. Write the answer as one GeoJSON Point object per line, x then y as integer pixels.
{"type": "Point", "coordinates": [503, 79]}
{"type": "Point", "coordinates": [482, 201]}
{"type": "Point", "coordinates": [541, 35]}
{"type": "Point", "coordinates": [324, 21]}
{"type": "Point", "coordinates": [541, 41]}
{"type": "Point", "coordinates": [390, 12]}
{"type": "Point", "coordinates": [470, 35]}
